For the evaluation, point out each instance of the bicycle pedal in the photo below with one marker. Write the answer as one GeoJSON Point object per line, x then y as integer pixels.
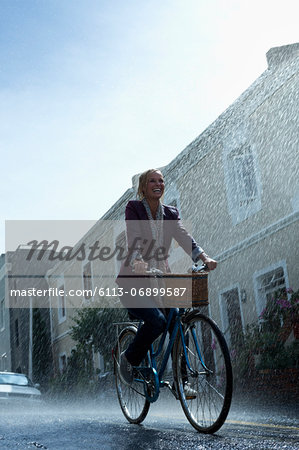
{"type": "Point", "coordinates": [190, 394]}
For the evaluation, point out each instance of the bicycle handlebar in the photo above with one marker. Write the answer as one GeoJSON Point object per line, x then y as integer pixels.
{"type": "Point", "coordinates": [195, 268]}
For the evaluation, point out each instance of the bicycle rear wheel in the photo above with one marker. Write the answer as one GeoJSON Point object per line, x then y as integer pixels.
{"type": "Point", "coordinates": [131, 398]}
{"type": "Point", "coordinates": [211, 374]}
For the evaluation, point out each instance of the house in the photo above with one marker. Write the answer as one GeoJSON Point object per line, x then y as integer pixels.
{"type": "Point", "coordinates": [26, 331]}
{"type": "Point", "coordinates": [236, 185]}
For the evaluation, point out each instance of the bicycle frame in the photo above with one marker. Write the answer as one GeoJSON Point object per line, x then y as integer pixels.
{"type": "Point", "coordinates": [202, 371]}
{"type": "Point", "coordinates": [153, 355]}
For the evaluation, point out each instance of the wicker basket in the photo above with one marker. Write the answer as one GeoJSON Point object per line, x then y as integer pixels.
{"type": "Point", "coordinates": [196, 293]}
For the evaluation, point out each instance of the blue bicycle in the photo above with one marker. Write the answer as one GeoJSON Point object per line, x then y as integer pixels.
{"type": "Point", "coordinates": [200, 359]}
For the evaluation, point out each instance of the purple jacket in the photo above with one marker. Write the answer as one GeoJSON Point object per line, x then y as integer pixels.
{"type": "Point", "coordinates": [139, 234]}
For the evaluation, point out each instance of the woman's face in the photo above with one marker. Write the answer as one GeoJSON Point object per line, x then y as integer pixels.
{"type": "Point", "coordinates": [154, 186]}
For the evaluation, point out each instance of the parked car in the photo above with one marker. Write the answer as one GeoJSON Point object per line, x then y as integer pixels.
{"type": "Point", "coordinates": [18, 386]}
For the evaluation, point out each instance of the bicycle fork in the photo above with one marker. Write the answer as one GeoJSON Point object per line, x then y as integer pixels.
{"type": "Point", "coordinates": [193, 373]}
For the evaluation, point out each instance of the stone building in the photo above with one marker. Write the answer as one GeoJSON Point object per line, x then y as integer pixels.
{"type": "Point", "coordinates": [25, 319]}
{"type": "Point", "coordinates": [237, 185]}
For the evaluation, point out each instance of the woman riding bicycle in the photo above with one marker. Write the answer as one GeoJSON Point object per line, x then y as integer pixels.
{"type": "Point", "coordinates": [147, 234]}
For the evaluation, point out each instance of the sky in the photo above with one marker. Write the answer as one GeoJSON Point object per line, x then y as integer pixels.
{"type": "Point", "coordinates": [93, 92]}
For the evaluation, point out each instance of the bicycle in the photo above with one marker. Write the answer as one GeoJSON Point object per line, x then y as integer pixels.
{"type": "Point", "coordinates": [199, 354]}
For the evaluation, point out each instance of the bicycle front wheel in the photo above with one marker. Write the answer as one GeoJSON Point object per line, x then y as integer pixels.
{"type": "Point", "coordinates": [131, 398]}
{"type": "Point", "coordinates": [210, 379]}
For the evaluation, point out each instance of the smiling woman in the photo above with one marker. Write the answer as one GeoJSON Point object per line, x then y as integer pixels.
{"type": "Point", "coordinates": [154, 225]}
{"type": "Point", "coordinates": [151, 186]}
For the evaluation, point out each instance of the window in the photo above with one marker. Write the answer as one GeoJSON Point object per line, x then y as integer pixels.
{"type": "Point", "coordinates": [87, 281]}
{"type": "Point", "coordinates": [271, 283]}
{"type": "Point", "coordinates": [61, 304]}
{"type": "Point", "coordinates": [172, 199]}
{"type": "Point", "coordinates": [2, 314]}
{"type": "Point", "coordinates": [14, 287]}
{"type": "Point", "coordinates": [243, 174]}
{"type": "Point", "coordinates": [17, 332]}
{"type": "Point", "coordinates": [173, 203]}
{"type": "Point", "coordinates": [267, 283]}
{"type": "Point", "coordinates": [232, 318]}
{"type": "Point", "coordinates": [172, 195]}
{"type": "Point", "coordinates": [242, 180]}
{"type": "Point", "coordinates": [121, 246]}
{"type": "Point", "coordinates": [62, 362]}
{"type": "Point", "coordinates": [3, 362]}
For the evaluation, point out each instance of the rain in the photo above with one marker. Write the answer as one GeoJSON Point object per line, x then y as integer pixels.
{"type": "Point", "coordinates": [61, 312]}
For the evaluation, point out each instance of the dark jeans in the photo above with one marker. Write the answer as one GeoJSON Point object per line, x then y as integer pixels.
{"type": "Point", "coordinates": [154, 324]}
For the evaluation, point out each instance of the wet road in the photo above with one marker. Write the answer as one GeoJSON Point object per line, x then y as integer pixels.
{"type": "Point", "coordinates": [99, 424]}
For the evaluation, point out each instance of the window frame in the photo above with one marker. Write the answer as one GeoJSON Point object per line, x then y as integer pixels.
{"type": "Point", "coordinates": [243, 181]}
{"type": "Point", "coordinates": [223, 310]}
{"type": "Point", "coordinates": [260, 300]}
{"type": "Point", "coordinates": [88, 279]}
{"type": "Point", "coordinates": [61, 304]}
{"type": "Point", "coordinates": [121, 241]}
{"type": "Point", "coordinates": [17, 332]}
{"type": "Point", "coordinates": [62, 367]}
{"type": "Point", "coordinates": [2, 314]}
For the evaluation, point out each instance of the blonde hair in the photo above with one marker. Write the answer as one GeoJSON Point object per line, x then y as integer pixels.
{"type": "Point", "coordinates": [143, 178]}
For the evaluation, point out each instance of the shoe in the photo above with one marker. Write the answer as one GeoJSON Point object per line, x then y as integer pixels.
{"type": "Point", "coordinates": [190, 393]}
{"type": "Point", "coordinates": [125, 369]}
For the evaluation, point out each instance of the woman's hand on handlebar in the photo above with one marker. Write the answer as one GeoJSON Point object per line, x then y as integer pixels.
{"type": "Point", "coordinates": [210, 263]}
{"type": "Point", "coordinates": [139, 266]}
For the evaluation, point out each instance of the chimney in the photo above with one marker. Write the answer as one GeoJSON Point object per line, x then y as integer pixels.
{"type": "Point", "coordinates": [278, 56]}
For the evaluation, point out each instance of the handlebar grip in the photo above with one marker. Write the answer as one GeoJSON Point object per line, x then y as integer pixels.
{"type": "Point", "coordinates": [196, 268]}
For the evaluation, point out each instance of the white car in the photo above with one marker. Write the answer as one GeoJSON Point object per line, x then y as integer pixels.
{"type": "Point", "coordinates": [18, 386]}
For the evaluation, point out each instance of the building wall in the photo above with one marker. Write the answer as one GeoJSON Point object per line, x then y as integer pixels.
{"type": "Point", "coordinates": [69, 275]}
{"type": "Point", "coordinates": [246, 243]}
{"type": "Point", "coordinates": [236, 186]}
{"type": "Point", "coordinates": [19, 277]}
